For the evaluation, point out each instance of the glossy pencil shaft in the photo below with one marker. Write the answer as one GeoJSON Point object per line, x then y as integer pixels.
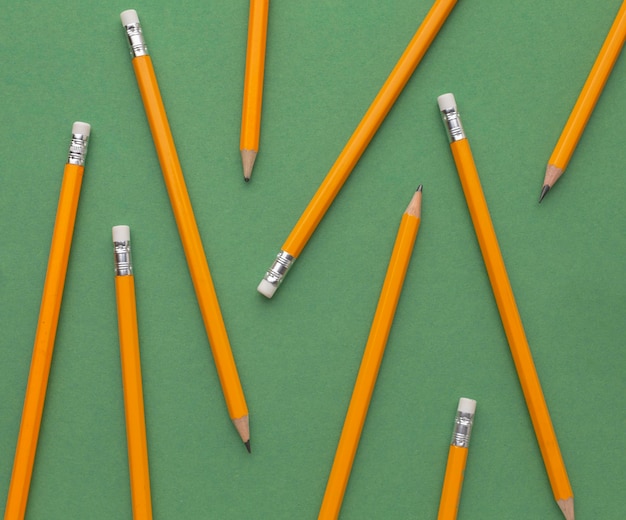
{"type": "Point", "coordinates": [133, 397]}
{"type": "Point", "coordinates": [590, 93]}
{"type": "Point", "coordinates": [356, 145]}
{"type": "Point", "coordinates": [511, 320]}
{"type": "Point", "coordinates": [457, 458]}
{"type": "Point", "coordinates": [368, 126]}
{"type": "Point", "coordinates": [190, 237]}
{"type": "Point", "coordinates": [44, 342]}
{"type": "Point", "coordinates": [370, 364]}
{"type": "Point", "coordinates": [253, 80]}
{"type": "Point", "coordinates": [192, 244]}
{"type": "Point", "coordinates": [452, 483]}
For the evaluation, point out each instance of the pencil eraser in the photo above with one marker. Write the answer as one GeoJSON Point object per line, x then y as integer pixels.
{"type": "Point", "coordinates": [466, 405]}
{"type": "Point", "coordinates": [129, 17]}
{"type": "Point", "coordinates": [121, 233]}
{"type": "Point", "coordinates": [266, 289]}
{"type": "Point", "coordinates": [81, 128]}
{"type": "Point", "coordinates": [446, 102]}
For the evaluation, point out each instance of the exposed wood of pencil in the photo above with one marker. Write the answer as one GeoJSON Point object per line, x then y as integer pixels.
{"type": "Point", "coordinates": [133, 397]}
{"type": "Point", "coordinates": [511, 320]}
{"type": "Point", "coordinates": [587, 99]}
{"type": "Point", "coordinates": [452, 483]}
{"type": "Point", "coordinates": [372, 358]}
{"type": "Point", "coordinates": [44, 342]}
{"type": "Point", "coordinates": [567, 507]}
{"type": "Point", "coordinates": [253, 85]}
{"type": "Point", "coordinates": [192, 244]}
{"type": "Point", "coordinates": [368, 126]}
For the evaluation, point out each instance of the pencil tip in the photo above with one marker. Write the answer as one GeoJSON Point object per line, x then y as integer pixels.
{"type": "Point", "coordinates": [567, 508]}
{"type": "Point", "coordinates": [247, 444]}
{"type": "Point", "coordinates": [419, 188]}
{"type": "Point", "coordinates": [247, 158]}
{"type": "Point", "coordinates": [544, 191]}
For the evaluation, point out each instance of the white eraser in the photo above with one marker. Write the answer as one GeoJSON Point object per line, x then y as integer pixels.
{"type": "Point", "coordinates": [121, 233]}
{"type": "Point", "coordinates": [128, 17]}
{"type": "Point", "coordinates": [467, 405]}
{"type": "Point", "coordinates": [266, 289]}
{"type": "Point", "coordinates": [446, 102]}
{"type": "Point", "coordinates": [81, 128]}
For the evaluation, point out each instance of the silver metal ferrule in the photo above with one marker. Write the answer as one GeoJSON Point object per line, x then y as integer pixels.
{"type": "Point", "coordinates": [136, 40]}
{"type": "Point", "coordinates": [123, 259]}
{"type": "Point", "coordinates": [78, 149]}
{"type": "Point", "coordinates": [462, 429]}
{"type": "Point", "coordinates": [279, 268]}
{"type": "Point", "coordinates": [452, 122]}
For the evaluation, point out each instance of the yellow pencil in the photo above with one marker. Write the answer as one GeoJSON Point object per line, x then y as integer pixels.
{"type": "Point", "coordinates": [47, 324]}
{"type": "Point", "coordinates": [187, 227]}
{"type": "Point", "coordinates": [457, 458]}
{"type": "Point", "coordinates": [372, 358]}
{"type": "Point", "coordinates": [355, 146]}
{"type": "Point", "coordinates": [505, 300]}
{"type": "Point", "coordinates": [253, 85]}
{"type": "Point", "coordinates": [586, 102]}
{"type": "Point", "coordinates": [131, 375]}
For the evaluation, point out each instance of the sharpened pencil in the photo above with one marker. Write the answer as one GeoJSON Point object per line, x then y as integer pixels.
{"type": "Point", "coordinates": [372, 359]}
{"type": "Point", "coordinates": [505, 300]}
{"type": "Point", "coordinates": [187, 227]}
{"type": "Point", "coordinates": [586, 102]}
{"type": "Point", "coordinates": [253, 85]}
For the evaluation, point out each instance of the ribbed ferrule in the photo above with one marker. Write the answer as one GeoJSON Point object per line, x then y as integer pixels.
{"type": "Point", "coordinates": [279, 268]}
{"type": "Point", "coordinates": [78, 149]}
{"type": "Point", "coordinates": [462, 429]}
{"type": "Point", "coordinates": [452, 122]}
{"type": "Point", "coordinates": [136, 40]}
{"type": "Point", "coordinates": [123, 259]}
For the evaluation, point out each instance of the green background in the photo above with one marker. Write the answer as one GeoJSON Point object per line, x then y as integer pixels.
{"type": "Point", "coordinates": [516, 69]}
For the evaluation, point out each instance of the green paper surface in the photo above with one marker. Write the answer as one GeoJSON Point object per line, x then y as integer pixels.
{"type": "Point", "coordinates": [516, 69]}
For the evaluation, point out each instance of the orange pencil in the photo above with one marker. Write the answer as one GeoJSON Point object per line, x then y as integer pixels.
{"type": "Point", "coordinates": [356, 145]}
{"type": "Point", "coordinates": [509, 314]}
{"type": "Point", "coordinates": [457, 458]}
{"type": "Point", "coordinates": [131, 375]}
{"type": "Point", "coordinates": [586, 102]}
{"type": "Point", "coordinates": [372, 358]}
{"type": "Point", "coordinates": [253, 85]}
{"type": "Point", "coordinates": [47, 324]}
{"type": "Point", "coordinates": [187, 227]}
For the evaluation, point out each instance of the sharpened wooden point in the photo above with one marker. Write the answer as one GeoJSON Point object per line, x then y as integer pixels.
{"type": "Point", "coordinates": [544, 191]}
{"type": "Point", "coordinates": [567, 506]}
{"type": "Point", "coordinates": [247, 158]}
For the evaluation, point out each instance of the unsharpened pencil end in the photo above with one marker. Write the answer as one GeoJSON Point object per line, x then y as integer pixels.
{"type": "Point", "coordinates": [129, 17]}
{"type": "Point", "coordinates": [81, 128]}
{"type": "Point", "coordinates": [266, 288]}
{"type": "Point", "coordinates": [446, 102]}
{"type": "Point", "coordinates": [467, 405]}
{"type": "Point", "coordinates": [544, 191]}
{"type": "Point", "coordinates": [121, 233]}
